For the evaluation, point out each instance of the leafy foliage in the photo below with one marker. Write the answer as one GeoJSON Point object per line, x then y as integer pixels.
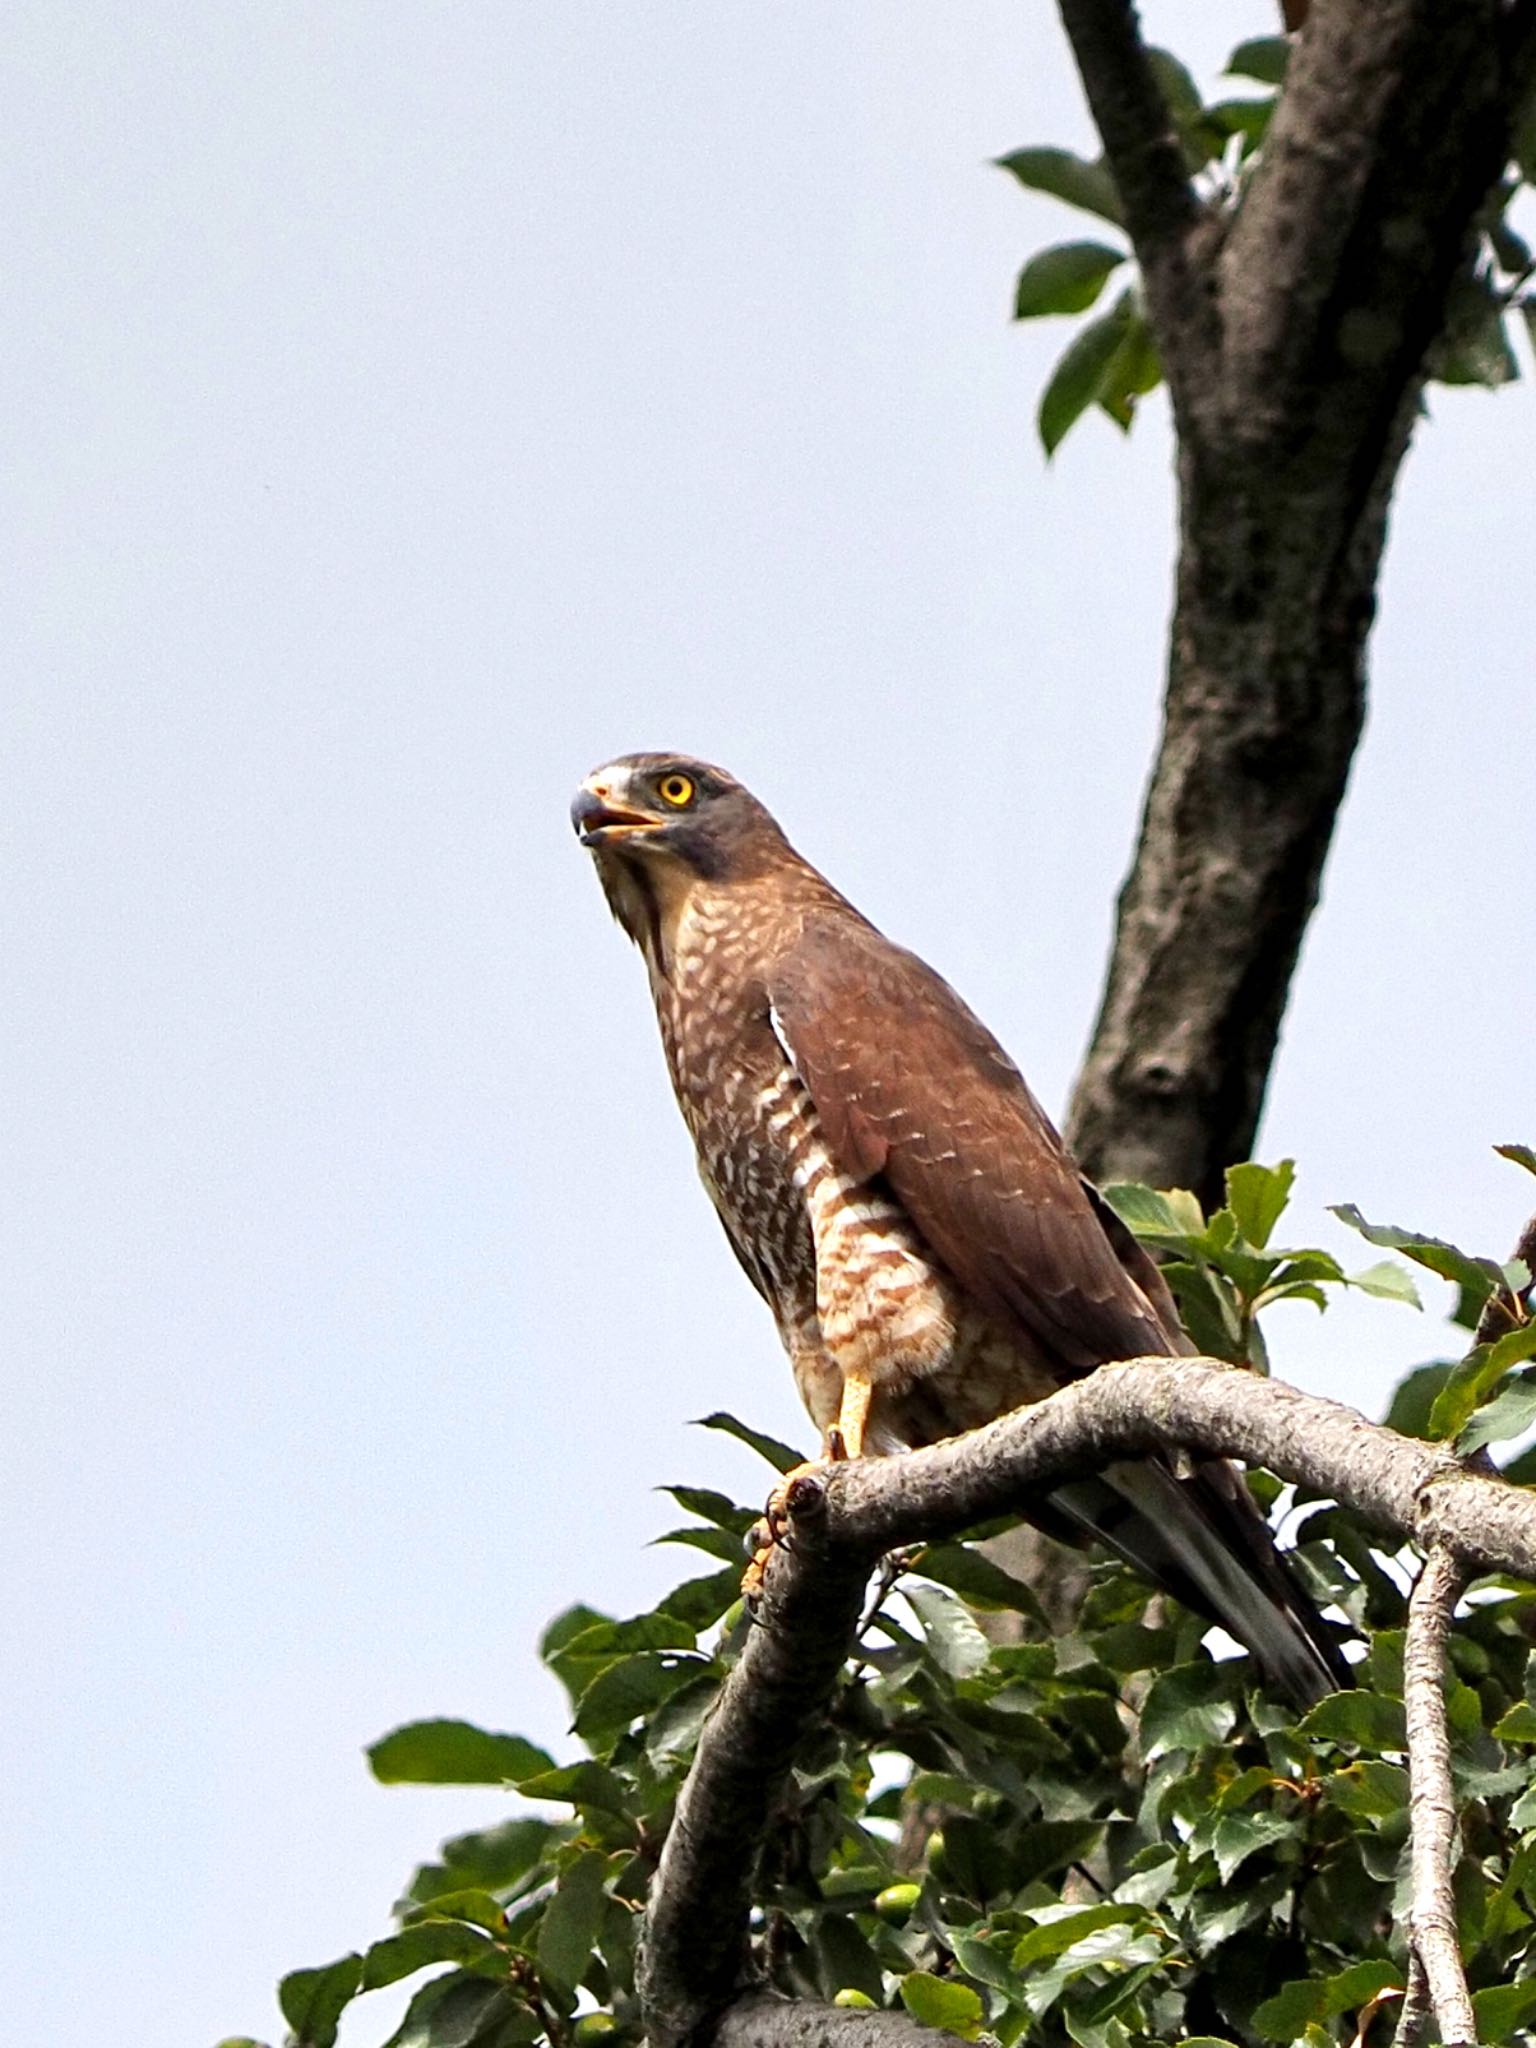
{"type": "Point", "coordinates": [1112, 361]}
{"type": "Point", "coordinates": [1109, 1838]}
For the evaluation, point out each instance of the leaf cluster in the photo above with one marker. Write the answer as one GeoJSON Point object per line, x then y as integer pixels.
{"type": "Point", "coordinates": [1112, 362]}
{"type": "Point", "coordinates": [1109, 1837]}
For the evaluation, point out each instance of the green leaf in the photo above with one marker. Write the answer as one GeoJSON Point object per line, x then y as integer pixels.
{"type": "Point", "coordinates": [1078, 375]}
{"type": "Point", "coordinates": [1388, 1281]}
{"type": "Point", "coordinates": [958, 1645]}
{"type": "Point", "coordinates": [623, 1691]}
{"type": "Point", "coordinates": [1370, 1790]}
{"type": "Point", "coordinates": [1066, 1926]}
{"type": "Point", "coordinates": [1257, 1196]}
{"type": "Point", "coordinates": [1156, 1213]}
{"type": "Point", "coordinates": [940, 2002]}
{"type": "Point", "coordinates": [1175, 85]}
{"type": "Point", "coordinates": [605, 1641]}
{"type": "Point", "coordinates": [1208, 1309]}
{"type": "Point", "coordinates": [568, 1931]}
{"type": "Point", "coordinates": [779, 1455]}
{"type": "Point", "coordinates": [1065, 279]}
{"type": "Point", "coordinates": [1261, 57]}
{"type": "Point", "coordinates": [1189, 1706]}
{"type": "Point", "coordinates": [426, 1942]}
{"type": "Point", "coordinates": [844, 1959]}
{"type": "Point", "coordinates": [312, 2001]}
{"type": "Point", "coordinates": [581, 1785]}
{"type": "Point", "coordinates": [1522, 1155]}
{"type": "Point", "coordinates": [714, 1507]}
{"type": "Point", "coordinates": [565, 1627]}
{"type": "Point", "coordinates": [1066, 176]}
{"type": "Point", "coordinates": [1503, 2009]}
{"type": "Point", "coordinates": [1475, 1378]}
{"type": "Point", "coordinates": [454, 1753]}
{"type": "Point", "coordinates": [715, 1542]}
{"type": "Point", "coordinates": [1132, 371]}
{"type": "Point", "coordinates": [1511, 1412]}
{"type": "Point", "coordinates": [974, 1576]}
{"type": "Point", "coordinates": [674, 1728]}
{"type": "Point", "coordinates": [698, 1603]}
{"type": "Point", "coordinates": [1285, 2016]}
{"type": "Point", "coordinates": [1048, 1846]}
{"type": "Point", "coordinates": [1474, 349]}
{"type": "Point", "coordinates": [1479, 1276]}
{"type": "Point", "coordinates": [1368, 1720]}
{"type": "Point", "coordinates": [1121, 1945]}
{"type": "Point", "coordinates": [981, 1960]}
{"type": "Point", "coordinates": [463, 2011]}
{"type": "Point", "coordinates": [1519, 1724]}
{"type": "Point", "coordinates": [1248, 118]}
{"type": "Point", "coordinates": [1414, 1397]}
{"type": "Point", "coordinates": [477, 1907]}
{"type": "Point", "coordinates": [1238, 1836]}
{"type": "Point", "coordinates": [493, 1857]}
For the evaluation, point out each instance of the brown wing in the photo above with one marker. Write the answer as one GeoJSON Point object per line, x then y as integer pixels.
{"type": "Point", "coordinates": [910, 1085]}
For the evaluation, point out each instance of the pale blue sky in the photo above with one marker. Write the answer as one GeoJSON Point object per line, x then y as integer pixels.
{"type": "Point", "coordinates": [408, 409]}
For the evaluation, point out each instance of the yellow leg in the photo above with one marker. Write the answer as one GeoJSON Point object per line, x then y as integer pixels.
{"type": "Point", "coordinates": [846, 1440]}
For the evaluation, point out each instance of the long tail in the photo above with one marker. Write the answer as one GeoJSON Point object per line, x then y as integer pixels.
{"type": "Point", "coordinates": [1203, 1540]}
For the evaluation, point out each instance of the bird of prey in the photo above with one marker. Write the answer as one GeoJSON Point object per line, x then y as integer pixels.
{"type": "Point", "coordinates": [931, 1253]}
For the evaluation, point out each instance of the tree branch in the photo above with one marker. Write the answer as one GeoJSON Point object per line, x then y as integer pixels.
{"type": "Point", "coordinates": [1310, 322]}
{"type": "Point", "coordinates": [761, 2020]}
{"type": "Point", "coordinates": [1432, 1803]}
{"type": "Point", "coordinates": [1141, 145]}
{"type": "Point", "coordinates": [694, 1955]}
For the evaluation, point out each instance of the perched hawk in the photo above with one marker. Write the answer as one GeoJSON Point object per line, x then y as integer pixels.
{"type": "Point", "coordinates": [930, 1252]}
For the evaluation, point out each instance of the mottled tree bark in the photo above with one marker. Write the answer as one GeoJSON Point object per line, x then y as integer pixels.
{"type": "Point", "coordinates": [1293, 335]}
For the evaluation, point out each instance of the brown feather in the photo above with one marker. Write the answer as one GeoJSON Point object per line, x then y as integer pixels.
{"type": "Point", "coordinates": [908, 1083]}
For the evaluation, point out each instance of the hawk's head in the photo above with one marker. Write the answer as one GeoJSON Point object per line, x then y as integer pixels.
{"type": "Point", "coordinates": [660, 823]}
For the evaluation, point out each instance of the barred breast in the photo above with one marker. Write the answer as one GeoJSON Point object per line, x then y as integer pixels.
{"type": "Point", "coordinates": [850, 1282]}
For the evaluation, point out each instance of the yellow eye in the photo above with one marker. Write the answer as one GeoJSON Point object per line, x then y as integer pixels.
{"type": "Point", "coordinates": [676, 790]}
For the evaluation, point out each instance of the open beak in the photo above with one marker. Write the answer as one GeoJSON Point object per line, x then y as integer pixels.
{"type": "Point", "coordinates": [599, 820]}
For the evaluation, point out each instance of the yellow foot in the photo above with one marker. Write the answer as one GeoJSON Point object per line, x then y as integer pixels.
{"type": "Point", "coordinates": [772, 1532]}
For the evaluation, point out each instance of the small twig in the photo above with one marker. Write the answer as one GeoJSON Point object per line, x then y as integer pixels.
{"type": "Point", "coordinates": [891, 1569]}
{"type": "Point", "coordinates": [1505, 1309]}
{"type": "Point", "coordinates": [1432, 1803]}
{"type": "Point", "coordinates": [1141, 144]}
{"type": "Point", "coordinates": [1133, 118]}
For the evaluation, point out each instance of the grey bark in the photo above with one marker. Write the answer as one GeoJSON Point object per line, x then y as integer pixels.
{"type": "Point", "coordinates": [1415, 2013]}
{"type": "Point", "coordinates": [694, 1963]}
{"type": "Point", "coordinates": [1293, 336]}
{"type": "Point", "coordinates": [759, 2020]}
{"type": "Point", "coordinates": [1432, 1799]}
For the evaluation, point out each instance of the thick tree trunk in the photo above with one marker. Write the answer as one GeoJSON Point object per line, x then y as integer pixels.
{"type": "Point", "coordinates": [1293, 335]}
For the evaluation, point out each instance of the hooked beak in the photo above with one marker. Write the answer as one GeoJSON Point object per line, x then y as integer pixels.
{"type": "Point", "coordinates": [599, 820]}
